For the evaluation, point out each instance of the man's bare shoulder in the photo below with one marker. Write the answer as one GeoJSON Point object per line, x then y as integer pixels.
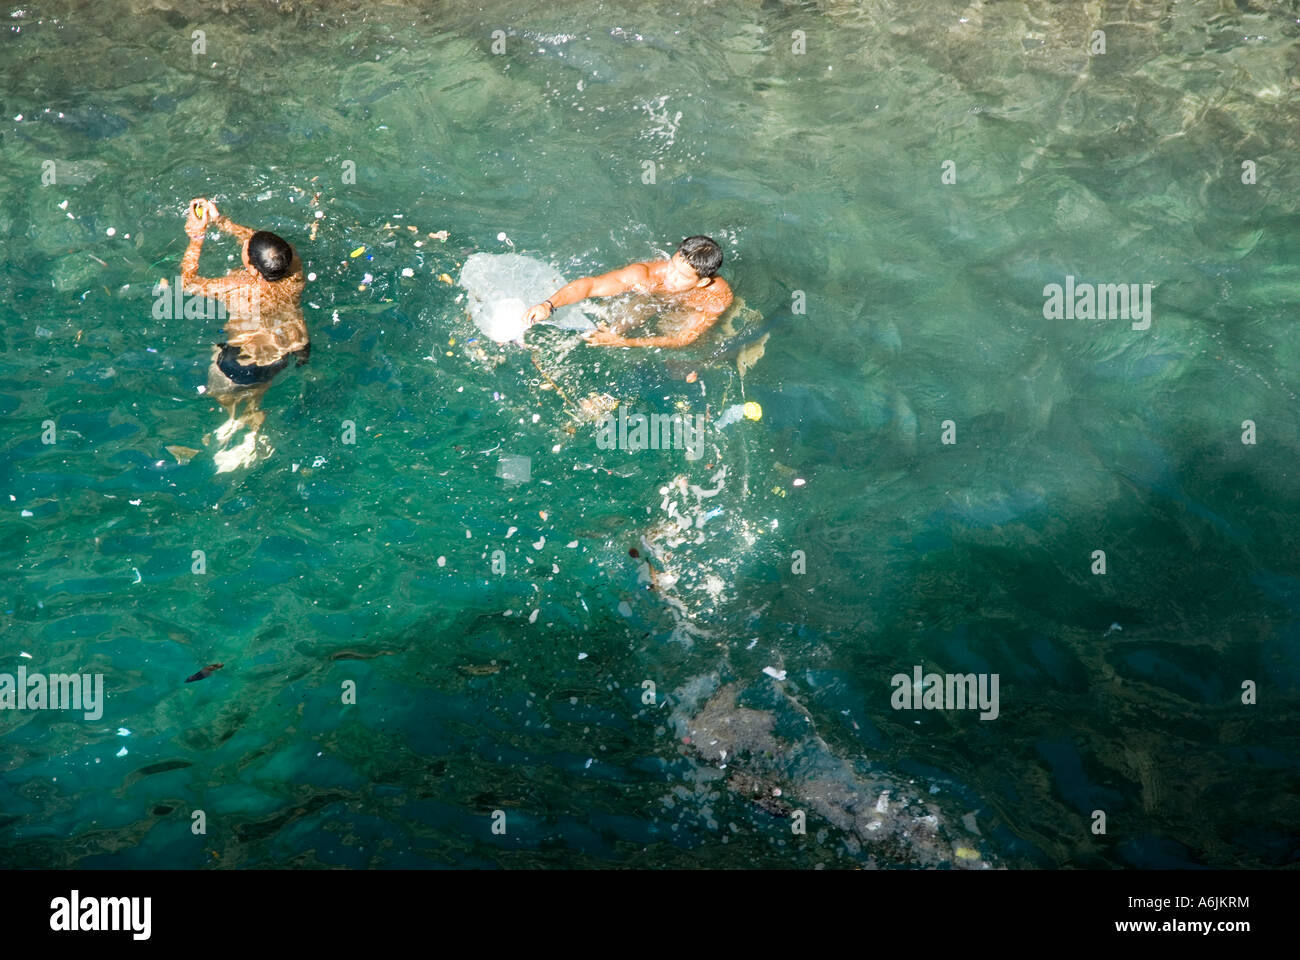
{"type": "Point", "coordinates": [713, 299]}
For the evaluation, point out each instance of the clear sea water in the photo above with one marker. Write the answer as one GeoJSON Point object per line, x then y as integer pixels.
{"type": "Point", "coordinates": [821, 174]}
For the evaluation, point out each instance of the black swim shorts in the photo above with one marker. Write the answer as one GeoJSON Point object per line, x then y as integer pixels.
{"type": "Point", "coordinates": [246, 374]}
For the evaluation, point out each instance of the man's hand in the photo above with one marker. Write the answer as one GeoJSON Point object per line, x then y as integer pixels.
{"type": "Point", "coordinates": [603, 337]}
{"type": "Point", "coordinates": [537, 312]}
{"type": "Point", "coordinates": [200, 215]}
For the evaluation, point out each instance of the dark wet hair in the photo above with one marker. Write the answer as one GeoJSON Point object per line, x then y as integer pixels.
{"type": "Point", "coordinates": [271, 255]}
{"type": "Point", "coordinates": [703, 254]}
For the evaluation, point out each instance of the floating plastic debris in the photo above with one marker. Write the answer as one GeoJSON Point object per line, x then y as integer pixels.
{"type": "Point", "coordinates": [503, 320]}
{"type": "Point", "coordinates": [774, 673]}
{"type": "Point", "coordinates": [515, 468]}
{"type": "Point", "coordinates": [750, 411]}
{"type": "Point", "coordinates": [183, 455]}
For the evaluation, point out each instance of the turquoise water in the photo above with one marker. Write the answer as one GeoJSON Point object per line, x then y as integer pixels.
{"type": "Point", "coordinates": [821, 175]}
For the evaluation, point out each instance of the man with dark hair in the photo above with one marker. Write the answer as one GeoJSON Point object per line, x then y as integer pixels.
{"type": "Point", "coordinates": [264, 325]}
{"type": "Point", "coordinates": [691, 295]}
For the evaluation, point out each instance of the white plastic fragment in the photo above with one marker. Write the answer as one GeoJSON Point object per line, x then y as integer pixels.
{"type": "Point", "coordinates": [774, 673]}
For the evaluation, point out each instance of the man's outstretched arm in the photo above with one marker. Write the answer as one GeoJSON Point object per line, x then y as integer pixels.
{"type": "Point", "coordinates": [606, 285]}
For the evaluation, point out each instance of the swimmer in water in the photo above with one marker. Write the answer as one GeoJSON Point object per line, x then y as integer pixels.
{"type": "Point", "coordinates": [691, 293]}
{"type": "Point", "coordinates": [264, 326]}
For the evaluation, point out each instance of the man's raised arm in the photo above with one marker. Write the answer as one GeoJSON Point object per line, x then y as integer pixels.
{"type": "Point", "coordinates": [216, 288]}
{"type": "Point", "coordinates": [241, 233]}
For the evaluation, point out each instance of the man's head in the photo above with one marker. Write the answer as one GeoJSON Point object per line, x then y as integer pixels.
{"type": "Point", "coordinates": [270, 255]}
{"type": "Point", "coordinates": [698, 260]}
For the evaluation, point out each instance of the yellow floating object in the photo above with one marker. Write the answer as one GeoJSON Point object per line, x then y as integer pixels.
{"type": "Point", "coordinates": [444, 278]}
{"type": "Point", "coordinates": [753, 411]}
{"type": "Point", "coordinates": [966, 853]}
{"type": "Point", "coordinates": [357, 252]}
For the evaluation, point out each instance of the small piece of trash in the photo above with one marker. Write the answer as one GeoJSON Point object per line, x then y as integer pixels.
{"type": "Point", "coordinates": [442, 561]}
{"type": "Point", "coordinates": [774, 673]}
{"type": "Point", "coordinates": [123, 732]}
{"type": "Point", "coordinates": [582, 656]}
{"type": "Point", "coordinates": [1112, 628]}
{"type": "Point", "coordinates": [122, 752]}
{"type": "Point", "coordinates": [511, 532]}
{"type": "Point", "coordinates": [532, 617]}
{"type": "Point", "coordinates": [183, 455]}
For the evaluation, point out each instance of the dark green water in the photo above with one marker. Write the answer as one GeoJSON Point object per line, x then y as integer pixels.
{"type": "Point", "coordinates": [818, 173]}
